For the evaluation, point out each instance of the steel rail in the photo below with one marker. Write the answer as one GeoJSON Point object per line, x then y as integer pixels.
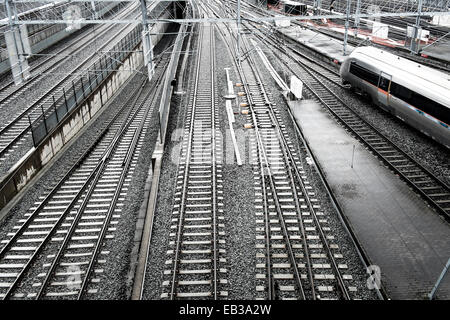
{"type": "Point", "coordinates": [433, 178]}
{"type": "Point", "coordinates": [39, 102]}
{"type": "Point", "coordinates": [290, 163]}
{"type": "Point", "coordinates": [99, 170]}
{"type": "Point", "coordinates": [40, 71]}
{"type": "Point", "coordinates": [214, 160]}
{"type": "Point", "coordinates": [43, 98]}
{"type": "Point", "coordinates": [186, 173]}
{"type": "Point", "coordinates": [265, 171]}
{"type": "Point", "coordinates": [47, 238]}
{"type": "Point", "coordinates": [268, 175]}
{"type": "Point", "coordinates": [18, 233]}
{"type": "Point", "coordinates": [445, 212]}
{"type": "Point", "coordinates": [121, 182]}
{"type": "Point", "coordinates": [289, 160]}
{"type": "Point", "coordinates": [270, 285]}
{"type": "Point", "coordinates": [44, 202]}
{"type": "Point", "coordinates": [151, 201]}
{"type": "Point", "coordinates": [292, 167]}
{"type": "Point", "coordinates": [200, 65]}
{"type": "Point", "coordinates": [187, 163]}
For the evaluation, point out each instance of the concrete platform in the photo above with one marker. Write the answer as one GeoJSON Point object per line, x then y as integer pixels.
{"type": "Point", "coordinates": [323, 44]}
{"type": "Point", "coordinates": [395, 227]}
{"type": "Point", "coordinates": [440, 50]}
{"type": "Point", "coordinates": [333, 48]}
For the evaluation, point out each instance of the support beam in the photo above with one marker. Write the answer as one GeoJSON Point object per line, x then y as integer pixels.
{"type": "Point", "coordinates": [439, 280]}
{"type": "Point", "coordinates": [347, 24]}
{"type": "Point", "coordinates": [17, 44]}
{"type": "Point", "coordinates": [238, 23]}
{"type": "Point", "coordinates": [232, 20]}
{"type": "Point", "coordinates": [357, 19]}
{"type": "Point", "coordinates": [94, 10]}
{"type": "Point", "coordinates": [317, 6]}
{"type": "Point", "coordinates": [415, 39]}
{"type": "Point", "coordinates": [147, 44]}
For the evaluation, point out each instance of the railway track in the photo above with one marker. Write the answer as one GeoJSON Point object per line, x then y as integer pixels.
{"type": "Point", "coordinates": [292, 216]}
{"type": "Point", "coordinates": [17, 132]}
{"type": "Point", "coordinates": [318, 79]}
{"type": "Point", "coordinates": [322, 84]}
{"type": "Point", "coordinates": [9, 91]}
{"type": "Point", "coordinates": [195, 265]}
{"type": "Point", "coordinates": [436, 64]}
{"type": "Point", "coordinates": [61, 239]}
{"type": "Point", "coordinates": [296, 254]}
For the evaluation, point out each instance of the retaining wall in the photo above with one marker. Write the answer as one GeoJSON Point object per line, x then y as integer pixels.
{"type": "Point", "coordinates": [21, 174]}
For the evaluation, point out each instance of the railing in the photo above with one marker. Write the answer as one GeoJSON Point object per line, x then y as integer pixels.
{"type": "Point", "coordinates": [75, 93]}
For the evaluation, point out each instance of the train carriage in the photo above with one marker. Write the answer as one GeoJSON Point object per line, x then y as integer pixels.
{"type": "Point", "coordinates": [418, 95]}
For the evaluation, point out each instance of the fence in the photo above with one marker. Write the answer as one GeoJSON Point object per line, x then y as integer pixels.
{"type": "Point", "coordinates": [74, 94]}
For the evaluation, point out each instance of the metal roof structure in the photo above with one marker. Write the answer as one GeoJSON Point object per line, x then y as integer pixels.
{"type": "Point", "coordinates": [50, 12]}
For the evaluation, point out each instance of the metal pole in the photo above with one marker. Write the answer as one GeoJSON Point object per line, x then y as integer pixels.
{"type": "Point", "coordinates": [54, 107]}
{"type": "Point", "coordinates": [347, 22]}
{"type": "Point", "coordinates": [74, 93]}
{"type": "Point", "coordinates": [31, 129]}
{"type": "Point", "coordinates": [94, 10]}
{"type": "Point", "coordinates": [353, 155]}
{"type": "Point", "coordinates": [317, 7]}
{"type": "Point", "coordinates": [43, 117]}
{"type": "Point", "coordinates": [12, 27]}
{"type": "Point", "coordinates": [414, 47]}
{"type": "Point", "coordinates": [239, 31]}
{"type": "Point", "coordinates": [82, 87]}
{"type": "Point", "coordinates": [439, 280]}
{"type": "Point", "coordinates": [147, 41]}
{"type": "Point", "coordinates": [65, 100]}
{"type": "Point", "coordinates": [357, 19]}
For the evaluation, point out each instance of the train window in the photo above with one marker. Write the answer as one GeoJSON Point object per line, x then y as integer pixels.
{"type": "Point", "coordinates": [364, 73]}
{"type": "Point", "coordinates": [384, 83]}
{"type": "Point", "coordinates": [431, 107]}
{"type": "Point", "coordinates": [401, 92]}
{"type": "Point", "coordinates": [422, 103]}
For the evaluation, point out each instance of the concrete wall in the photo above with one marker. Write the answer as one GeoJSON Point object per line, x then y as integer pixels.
{"type": "Point", "coordinates": [87, 110]}
{"type": "Point", "coordinates": [31, 164]}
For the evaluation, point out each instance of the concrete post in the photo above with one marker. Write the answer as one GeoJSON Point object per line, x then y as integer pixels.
{"type": "Point", "coordinates": [15, 46]}
{"type": "Point", "coordinates": [317, 6]}
{"type": "Point", "coordinates": [94, 10]}
{"type": "Point", "coordinates": [414, 41]}
{"type": "Point", "coordinates": [239, 31]}
{"type": "Point", "coordinates": [347, 23]}
{"type": "Point", "coordinates": [357, 19]}
{"type": "Point", "coordinates": [147, 45]}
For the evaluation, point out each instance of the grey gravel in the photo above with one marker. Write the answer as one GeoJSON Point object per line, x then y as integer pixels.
{"type": "Point", "coordinates": [355, 266]}
{"type": "Point", "coordinates": [239, 210]}
{"type": "Point", "coordinates": [113, 280]}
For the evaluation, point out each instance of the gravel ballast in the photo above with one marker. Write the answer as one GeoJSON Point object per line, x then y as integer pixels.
{"type": "Point", "coordinates": [113, 280]}
{"type": "Point", "coordinates": [239, 194]}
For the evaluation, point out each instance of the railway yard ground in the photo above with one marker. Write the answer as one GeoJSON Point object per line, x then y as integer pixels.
{"type": "Point", "coordinates": [234, 166]}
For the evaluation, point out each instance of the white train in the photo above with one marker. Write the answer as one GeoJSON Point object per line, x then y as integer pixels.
{"type": "Point", "coordinates": [416, 94]}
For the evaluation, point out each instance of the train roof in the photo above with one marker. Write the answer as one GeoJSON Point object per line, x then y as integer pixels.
{"type": "Point", "coordinates": [292, 3]}
{"type": "Point", "coordinates": [407, 72]}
